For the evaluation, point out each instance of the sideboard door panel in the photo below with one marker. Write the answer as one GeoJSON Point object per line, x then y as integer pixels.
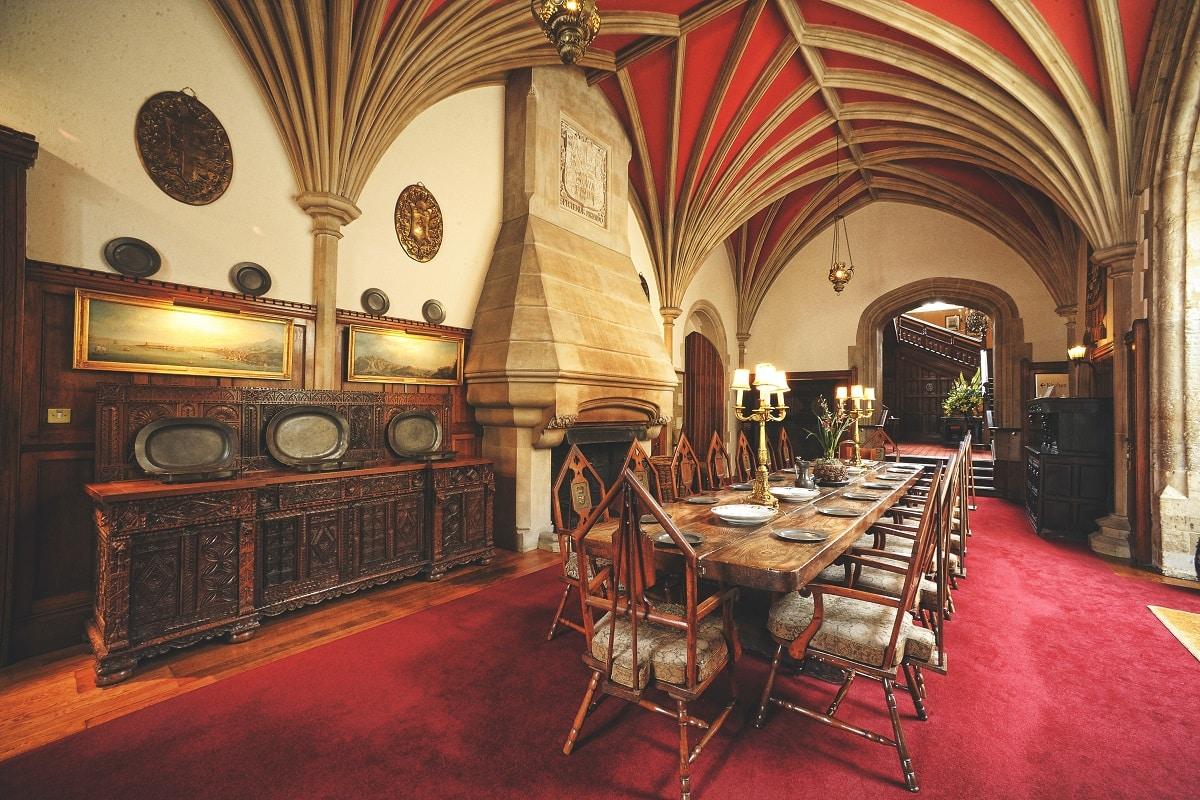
{"type": "Point", "coordinates": [301, 553]}
{"type": "Point", "coordinates": [181, 578]}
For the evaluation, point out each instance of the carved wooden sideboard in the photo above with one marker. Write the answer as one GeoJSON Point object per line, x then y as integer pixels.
{"type": "Point", "coordinates": [179, 563]}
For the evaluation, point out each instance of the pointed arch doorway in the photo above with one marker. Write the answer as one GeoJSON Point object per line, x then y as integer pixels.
{"type": "Point", "coordinates": [705, 380]}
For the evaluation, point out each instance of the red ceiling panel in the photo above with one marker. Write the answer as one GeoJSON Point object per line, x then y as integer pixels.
{"type": "Point", "coordinates": [704, 52]}
{"type": "Point", "coordinates": [1069, 21]}
{"type": "Point", "coordinates": [652, 81]}
{"type": "Point", "coordinates": [1137, 18]}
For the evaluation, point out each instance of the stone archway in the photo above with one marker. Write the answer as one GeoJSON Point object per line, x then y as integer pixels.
{"type": "Point", "coordinates": [1009, 345]}
{"type": "Point", "coordinates": [705, 319]}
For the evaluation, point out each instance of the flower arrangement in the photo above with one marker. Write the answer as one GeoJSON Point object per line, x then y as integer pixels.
{"type": "Point", "coordinates": [830, 427]}
{"type": "Point", "coordinates": [965, 397]}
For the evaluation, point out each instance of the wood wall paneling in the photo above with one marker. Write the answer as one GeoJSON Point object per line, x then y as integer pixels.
{"type": "Point", "coordinates": [17, 153]}
{"type": "Point", "coordinates": [52, 545]}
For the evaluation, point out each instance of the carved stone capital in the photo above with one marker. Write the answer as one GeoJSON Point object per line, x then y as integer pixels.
{"type": "Point", "coordinates": [670, 314]}
{"type": "Point", "coordinates": [1068, 310]}
{"type": "Point", "coordinates": [329, 211]}
{"type": "Point", "coordinates": [1118, 258]}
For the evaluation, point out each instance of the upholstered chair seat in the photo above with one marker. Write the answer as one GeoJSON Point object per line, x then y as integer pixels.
{"type": "Point", "coordinates": [662, 651]}
{"type": "Point", "coordinates": [850, 628]}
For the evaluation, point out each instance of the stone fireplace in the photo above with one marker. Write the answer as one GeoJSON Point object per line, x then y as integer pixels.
{"type": "Point", "coordinates": [563, 338]}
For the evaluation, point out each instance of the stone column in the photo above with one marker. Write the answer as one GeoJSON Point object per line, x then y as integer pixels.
{"type": "Point", "coordinates": [742, 338]}
{"type": "Point", "coordinates": [1113, 537]}
{"type": "Point", "coordinates": [1069, 314]}
{"type": "Point", "coordinates": [669, 315]}
{"type": "Point", "coordinates": [329, 212]}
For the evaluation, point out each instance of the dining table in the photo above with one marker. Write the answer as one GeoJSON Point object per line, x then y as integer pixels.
{"type": "Point", "coordinates": [753, 555]}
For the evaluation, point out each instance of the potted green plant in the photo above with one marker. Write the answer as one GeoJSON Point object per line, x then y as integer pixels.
{"type": "Point", "coordinates": [830, 427]}
{"type": "Point", "coordinates": [965, 397]}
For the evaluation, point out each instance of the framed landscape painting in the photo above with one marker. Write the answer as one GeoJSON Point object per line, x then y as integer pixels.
{"type": "Point", "coordinates": [135, 334]}
{"type": "Point", "coordinates": [379, 355]}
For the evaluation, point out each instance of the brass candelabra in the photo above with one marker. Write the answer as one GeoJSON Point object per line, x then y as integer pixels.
{"type": "Point", "coordinates": [858, 404]}
{"type": "Point", "coordinates": [770, 383]}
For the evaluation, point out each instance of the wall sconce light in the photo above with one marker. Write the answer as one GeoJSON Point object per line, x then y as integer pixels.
{"type": "Point", "coordinates": [1077, 352]}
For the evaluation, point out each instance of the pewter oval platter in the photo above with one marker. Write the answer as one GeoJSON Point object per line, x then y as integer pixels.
{"type": "Point", "coordinates": [839, 511]}
{"type": "Point", "coordinates": [308, 436]}
{"type": "Point", "coordinates": [414, 433]}
{"type": "Point", "coordinates": [186, 447]}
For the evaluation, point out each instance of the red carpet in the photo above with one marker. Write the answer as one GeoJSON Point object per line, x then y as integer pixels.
{"type": "Point", "coordinates": [1062, 685]}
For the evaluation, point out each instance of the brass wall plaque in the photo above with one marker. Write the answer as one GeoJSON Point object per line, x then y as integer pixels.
{"type": "Point", "coordinates": [184, 148]}
{"type": "Point", "coordinates": [418, 222]}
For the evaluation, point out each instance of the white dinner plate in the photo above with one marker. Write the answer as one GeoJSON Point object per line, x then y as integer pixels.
{"type": "Point", "coordinates": [743, 513]}
{"type": "Point", "coordinates": [794, 494]}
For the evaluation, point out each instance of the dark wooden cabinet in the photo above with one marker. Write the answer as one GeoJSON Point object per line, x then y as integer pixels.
{"type": "Point", "coordinates": [179, 563]}
{"type": "Point", "coordinates": [1068, 465]}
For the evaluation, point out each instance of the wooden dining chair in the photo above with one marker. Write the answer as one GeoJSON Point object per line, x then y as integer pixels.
{"type": "Point", "coordinates": [579, 485]}
{"type": "Point", "coordinates": [687, 479]}
{"type": "Point", "coordinates": [637, 462]}
{"type": "Point", "coordinates": [784, 454]}
{"type": "Point", "coordinates": [641, 649]}
{"type": "Point", "coordinates": [717, 463]}
{"type": "Point", "coordinates": [860, 633]}
{"type": "Point", "coordinates": [744, 459]}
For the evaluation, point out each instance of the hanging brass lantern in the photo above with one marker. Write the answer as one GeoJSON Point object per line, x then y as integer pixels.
{"type": "Point", "coordinates": [840, 272]}
{"type": "Point", "coordinates": [570, 25]}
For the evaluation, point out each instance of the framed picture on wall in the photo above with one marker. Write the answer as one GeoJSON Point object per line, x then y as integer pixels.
{"type": "Point", "coordinates": [137, 334]}
{"type": "Point", "coordinates": [382, 355]}
{"type": "Point", "coordinates": [954, 322]}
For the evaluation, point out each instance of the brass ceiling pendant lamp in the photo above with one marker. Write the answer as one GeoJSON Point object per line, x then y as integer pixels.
{"type": "Point", "coordinates": [570, 25]}
{"type": "Point", "coordinates": [840, 272]}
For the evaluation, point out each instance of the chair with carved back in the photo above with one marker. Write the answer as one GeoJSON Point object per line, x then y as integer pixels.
{"type": "Point", "coordinates": [579, 485]}
{"type": "Point", "coordinates": [785, 456]}
{"type": "Point", "coordinates": [862, 634]}
{"type": "Point", "coordinates": [717, 463]}
{"type": "Point", "coordinates": [642, 649]}
{"type": "Point", "coordinates": [639, 464]}
{"type": "Point", "coordinates": [686, 476]}
{"type": "Point", "coordinates": [743, 459]}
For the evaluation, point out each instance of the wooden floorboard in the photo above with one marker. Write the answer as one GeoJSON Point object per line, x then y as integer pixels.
{"type": "Point", "coordinates": [54, 695]}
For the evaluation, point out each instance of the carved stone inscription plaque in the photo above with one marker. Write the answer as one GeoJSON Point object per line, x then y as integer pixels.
{"type": "Point", "coordinates": [583, 174]}
{"type": "Point", "coordinates": [184, 148]}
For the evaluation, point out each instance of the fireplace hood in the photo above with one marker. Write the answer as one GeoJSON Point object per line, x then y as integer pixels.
{"type": "Point", "coordinates": [563, 337]}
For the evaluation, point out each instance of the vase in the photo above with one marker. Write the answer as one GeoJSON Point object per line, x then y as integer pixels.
{"type": "Point", "coordinates": [829, 470]}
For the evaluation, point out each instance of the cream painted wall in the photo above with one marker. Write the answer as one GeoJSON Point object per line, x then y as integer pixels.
{"type": "Point", "coordinates": [76, 73]}
{"type": "Point", "coordinates": [802, 325]}
{"type": "Point", "coordinates": [713, 283]}
{"type": "Point", "coordinates": [639, 251]}
{"type": "Point", "coordinates": [455, 148]}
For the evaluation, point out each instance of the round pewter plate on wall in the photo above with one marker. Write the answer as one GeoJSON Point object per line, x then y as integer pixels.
{"type": "Point", "coordinates": [250, 278]}
{"type": "Point", "coordinates": [132, 257]}
{"type": "Point", "coordinates": [433, 312]}
{"type": "Point", "coordinates": [375, 302]}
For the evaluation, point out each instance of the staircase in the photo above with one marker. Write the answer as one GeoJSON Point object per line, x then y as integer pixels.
{"type": "Point", "coordinates": [953, 346]}
{"type": "Point", "coordinates": [983, 469]}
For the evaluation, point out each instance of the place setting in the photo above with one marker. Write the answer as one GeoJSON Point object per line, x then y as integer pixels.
{"type": "Point", "coordinates": [691, 538]}
{"type": "Point", "coordinates": [856, 495]}
{"type": "Point", "coordinates": [744, 514]}
{"type": "Point", "coordinates": [795, 494]}
{"type": "Point", "coordinates": [801, 535]}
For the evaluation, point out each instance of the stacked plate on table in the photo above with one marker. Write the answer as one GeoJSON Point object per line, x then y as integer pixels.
{"type": "Point", "coordinates": [794, 494]}
{"type": "Point", "coordinates": [743, 513]}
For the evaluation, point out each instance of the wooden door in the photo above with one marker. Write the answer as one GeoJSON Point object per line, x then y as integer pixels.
{"type": "Point", "coordinates": [922, 388]}
{"type": "Point", "coordinates": [1140, 543]}
{"type": "Point", "coordinates": [704, 390]}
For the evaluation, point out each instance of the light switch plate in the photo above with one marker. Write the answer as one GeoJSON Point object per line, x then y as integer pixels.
{"type": "Point", "coordinates": [58, 416]}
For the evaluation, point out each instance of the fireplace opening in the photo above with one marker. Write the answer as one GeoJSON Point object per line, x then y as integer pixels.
{"type": "Point", "coordinates": [605, 446]}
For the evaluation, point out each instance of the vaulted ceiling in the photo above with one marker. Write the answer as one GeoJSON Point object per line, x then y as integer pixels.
{"type": "Point", "coordinates": [1026, 117]}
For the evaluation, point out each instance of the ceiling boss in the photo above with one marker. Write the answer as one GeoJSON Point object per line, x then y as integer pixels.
{"type": "Point", "coordinates": [570, 25]}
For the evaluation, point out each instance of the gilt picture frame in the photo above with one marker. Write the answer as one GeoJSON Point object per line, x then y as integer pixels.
{"type": "Point", "coordinates": [387, 355]}
{"type": "Point", "coordinates": [123, 333]}
{"type": "Point", "coordinates": [954, 322]}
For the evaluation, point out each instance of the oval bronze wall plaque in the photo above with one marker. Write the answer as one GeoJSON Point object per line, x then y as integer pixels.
{"type": "Point", "coordinates": [418, 222]}
{"type": "Point", "coordinates": [184, 148]}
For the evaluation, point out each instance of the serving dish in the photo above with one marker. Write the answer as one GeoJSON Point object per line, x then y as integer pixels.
{"type": "Point", "coordinates": [177, 449]}
{"type": "Point", "coordinates": [743, 513]}
{"type": "Point", "coordinates": [793, 494]}
{"type": "Point", "coordinates": [309, 438]}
